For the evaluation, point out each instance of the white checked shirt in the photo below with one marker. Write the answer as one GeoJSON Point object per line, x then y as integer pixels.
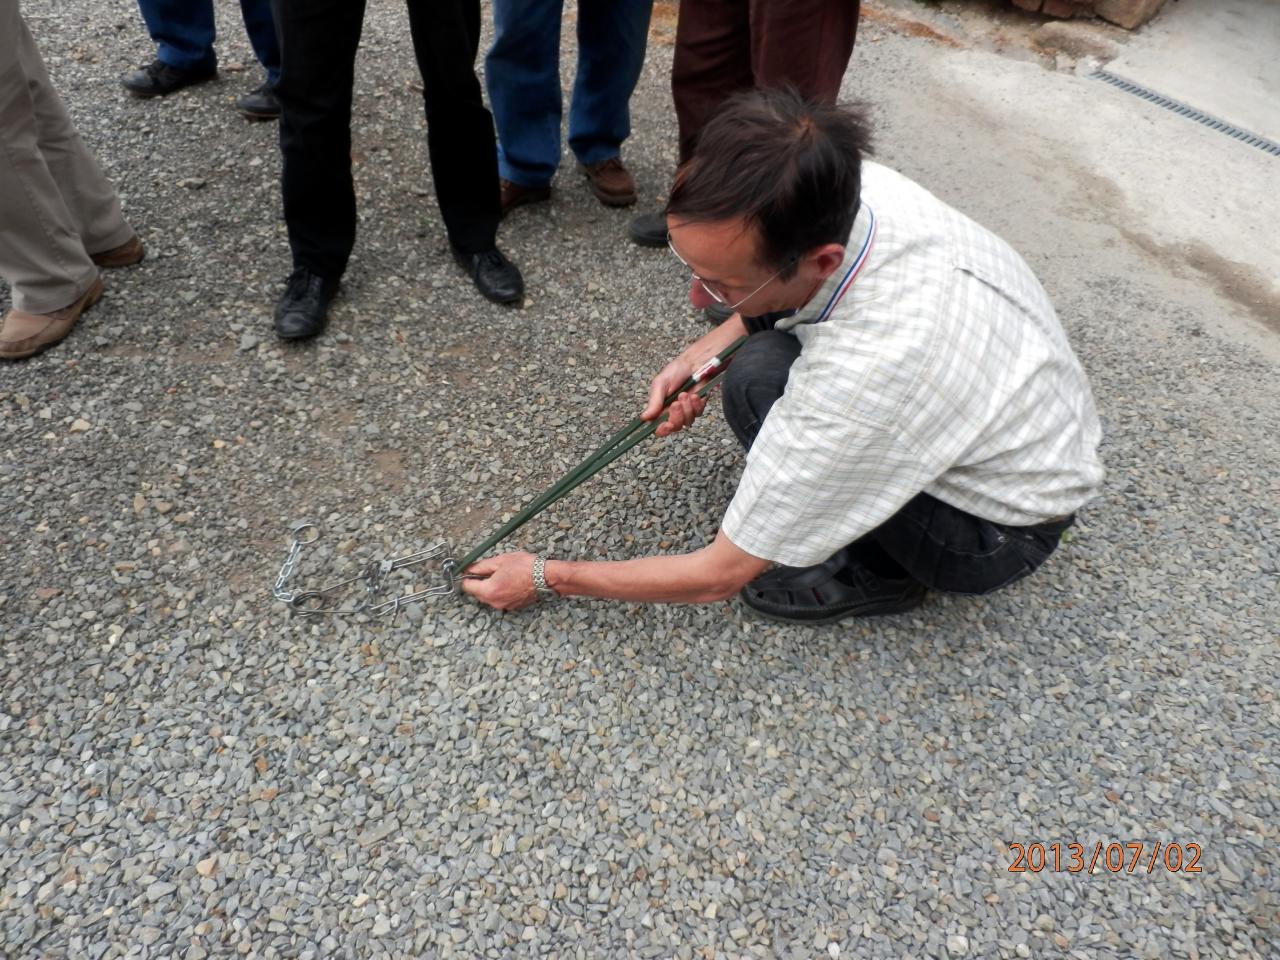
{"type": "Point", "coordinates": [943, 369]}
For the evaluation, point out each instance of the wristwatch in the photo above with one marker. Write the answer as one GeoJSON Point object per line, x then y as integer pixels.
{"type": "Point", "coordinates": [540, 586]}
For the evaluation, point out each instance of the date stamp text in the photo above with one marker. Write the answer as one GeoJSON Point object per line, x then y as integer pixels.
{"type": "Point", "coordinates": [1132, 857]}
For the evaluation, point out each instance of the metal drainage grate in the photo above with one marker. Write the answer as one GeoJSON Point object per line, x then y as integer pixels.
{"type": "Point", "coordinates": [1213, 123]}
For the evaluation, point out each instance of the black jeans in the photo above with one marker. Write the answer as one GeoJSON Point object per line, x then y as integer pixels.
{"type": "Point", "coordinates": [318, 41]}
{"type": "Point", "coordinates": [939, 545]}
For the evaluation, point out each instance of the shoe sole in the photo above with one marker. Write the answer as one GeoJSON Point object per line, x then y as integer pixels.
{"type": "Point", "coordinates": [258, 117]}
{"type": "Point", "coordinates": [503, 302]}
{"type": "Point", "coordinates": [292, 337]}
{"type": "Point", "coordinates": [879, 609]}
{"type": "Point", "coordinates": [614, 199]}
{"type": "Point", "coordinates": [110, 263]}
{"type": "Point", "coordinates": [152, 94]}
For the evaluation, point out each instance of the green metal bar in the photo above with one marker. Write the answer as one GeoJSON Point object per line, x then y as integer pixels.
{"type": "Point", "coordinates": [613, 448]}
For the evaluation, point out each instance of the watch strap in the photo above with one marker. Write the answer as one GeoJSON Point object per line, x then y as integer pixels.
{"type": "Point", "coordinates": [540, 585]}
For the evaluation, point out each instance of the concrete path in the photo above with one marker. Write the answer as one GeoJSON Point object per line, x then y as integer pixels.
{"type": "Point", "coordinates": [1219, 56]}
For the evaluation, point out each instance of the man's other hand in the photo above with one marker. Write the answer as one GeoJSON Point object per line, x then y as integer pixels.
{"type": "Point", "coordinates": [684, 409]}
{"type": "Point", "coordinates": [504, 582]}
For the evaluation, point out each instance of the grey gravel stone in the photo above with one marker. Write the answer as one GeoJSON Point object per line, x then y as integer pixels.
{"type": "Point", "coordinates": [186, 771]}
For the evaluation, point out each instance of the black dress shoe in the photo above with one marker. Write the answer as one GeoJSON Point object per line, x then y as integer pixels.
{"type": "Point", "coordinates": [303, 309]}
{"type": "Point", "coordinates": [496, 277]}
{"type": "Point", "coordinates": [259, 104]}
{"type": "Point", "coordinates": [648, 229]}
{"type": "Point", "coordinates": [158, 79]}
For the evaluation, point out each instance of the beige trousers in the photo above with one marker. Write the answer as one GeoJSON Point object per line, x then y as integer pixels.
{"type": "Point", "coordinates": [56, 206]}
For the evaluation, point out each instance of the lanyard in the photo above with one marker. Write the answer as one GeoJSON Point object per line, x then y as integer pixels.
{"type": "Point", "coordinates": [851, 273]}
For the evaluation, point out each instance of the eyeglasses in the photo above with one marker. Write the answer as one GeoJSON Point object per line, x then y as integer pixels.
{"type": "Point", "coordinates": [715, 294]}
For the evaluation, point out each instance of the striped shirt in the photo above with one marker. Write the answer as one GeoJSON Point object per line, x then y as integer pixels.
{"type": "Point", "coordinates": [932, 361]}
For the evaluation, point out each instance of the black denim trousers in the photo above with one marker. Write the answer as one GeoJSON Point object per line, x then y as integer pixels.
{"type": "Point", "coordinates": [939, 545]}
{"type": "Point", "coordinates": [318, 41]}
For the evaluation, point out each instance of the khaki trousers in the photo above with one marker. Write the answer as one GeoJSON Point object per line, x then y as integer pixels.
{"type": "Point", "coordinates": [56, 206]}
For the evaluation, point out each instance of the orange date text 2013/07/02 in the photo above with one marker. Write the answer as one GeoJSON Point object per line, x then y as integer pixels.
{"type": "Point", "coordinates": [1132, 857]}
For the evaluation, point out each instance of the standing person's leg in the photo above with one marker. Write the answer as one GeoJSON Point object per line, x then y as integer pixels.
{"type": "Point", "coordinates": [712, 62]}
{"type": "Point", "coordinates": [261, 28]}
{"type": "Point", "coordinates": [612, 36]}
{"type": "Point", "coordinates": [318, 42]}
{"type": "Point", "coordinates": [803, 43]}
{"type": "Point", "coordinates": [184, 33]}
{"type": "Point", "coordinates": [41, 254]}
{"type": "Point", "coordinates": [87, 194]}
{"type": "Point", "coordinates": [522, 73]}
{"type": "Point", "coordinates": [319, 39]}
{"type": "Point", "coordinates": [261, 103]}
{"type": "Point", "coordinates": [461, 141]}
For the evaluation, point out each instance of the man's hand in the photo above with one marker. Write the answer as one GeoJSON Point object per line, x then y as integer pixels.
{"type": "Point", "coordinates": [684, 409]}
{"type": "Point", "coordinates": [504, 582]}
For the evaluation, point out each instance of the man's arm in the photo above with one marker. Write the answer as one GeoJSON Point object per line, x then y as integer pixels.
{"type": "Point", "coordinates": [713, 573]}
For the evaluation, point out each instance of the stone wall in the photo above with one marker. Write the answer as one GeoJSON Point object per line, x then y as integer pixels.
{"type": "Point", "coordinates": [1126, 13]}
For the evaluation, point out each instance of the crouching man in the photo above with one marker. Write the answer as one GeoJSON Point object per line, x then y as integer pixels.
{"type": "Point", "coordinates": [913, 415]}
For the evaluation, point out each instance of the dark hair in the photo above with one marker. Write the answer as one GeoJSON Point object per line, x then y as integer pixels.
{"type": "Point", "coordinates": [791, 167]}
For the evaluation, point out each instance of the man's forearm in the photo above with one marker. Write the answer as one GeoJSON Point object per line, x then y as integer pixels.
{"type": "Point", "coordinates": [714, 573]}
{"type": "Point", "coordinates": [646, 580]}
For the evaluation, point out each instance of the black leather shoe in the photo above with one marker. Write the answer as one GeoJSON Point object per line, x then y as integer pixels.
{"type": "Point", "coordinates": [259, 104]}
{"type": "Point", "coordinates": [496, 277]}
{"type": "Point", "coordinates": [303, 309]}
{"type": "Point", "coordinates": [648, 229]}
{"type": "Point", "coordinates": [158, 79]}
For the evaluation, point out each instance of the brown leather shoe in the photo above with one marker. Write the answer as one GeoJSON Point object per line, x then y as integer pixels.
{"type": "Point", "coordinates": [611, 182]}
{"type": "Point", "coordinates": [514, 195]}
{"type": "Point", "coordinates": [25, 334]}
{"type": "Point", "coordinates": [126, 255]}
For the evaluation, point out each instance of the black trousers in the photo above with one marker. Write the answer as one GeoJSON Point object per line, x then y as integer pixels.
{"type": "Point", "coordinates": [318, 41]}
{"type": "Point", "coordinates": [943, 547]}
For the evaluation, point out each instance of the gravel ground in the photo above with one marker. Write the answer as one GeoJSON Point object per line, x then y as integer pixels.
{"type": "Point", "coordinates": [185, 771]}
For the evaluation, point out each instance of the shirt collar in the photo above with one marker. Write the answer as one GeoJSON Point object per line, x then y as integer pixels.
{"type": "Point", "coordinates": [856, 251]}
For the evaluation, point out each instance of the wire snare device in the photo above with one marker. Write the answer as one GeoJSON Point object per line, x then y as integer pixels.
{"type": "Point", "coordinates": [373, 576]}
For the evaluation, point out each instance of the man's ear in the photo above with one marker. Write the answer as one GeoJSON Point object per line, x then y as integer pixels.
{"type": "Point", "coordinates": [826, 259]}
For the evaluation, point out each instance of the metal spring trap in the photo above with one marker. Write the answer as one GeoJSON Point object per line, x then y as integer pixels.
{"type": "Point", "coordinates": [373, 576]}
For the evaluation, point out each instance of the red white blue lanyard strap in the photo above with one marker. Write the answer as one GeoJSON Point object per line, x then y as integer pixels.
{"type": "Point", "coordinates": [850, 274]}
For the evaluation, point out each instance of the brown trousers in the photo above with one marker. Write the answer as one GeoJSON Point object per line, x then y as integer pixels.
{"type": "Point", "coordinates": [56, 206]}
{"type": "Point", "coordinates": [725, 46]}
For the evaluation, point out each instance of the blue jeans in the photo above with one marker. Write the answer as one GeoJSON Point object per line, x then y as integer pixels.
{"type": "Point", "coordinates": [522, 72]}
{"type": "Point", "coordinates": [184, 31]}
